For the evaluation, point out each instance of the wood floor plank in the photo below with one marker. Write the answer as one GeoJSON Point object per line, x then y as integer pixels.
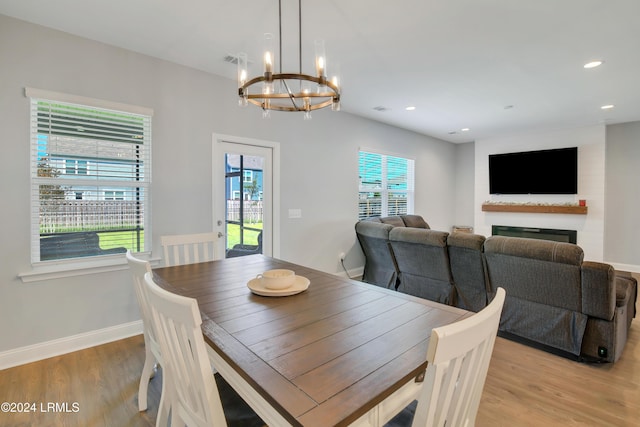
{"type": "Point", "coordinates": [95, 387]}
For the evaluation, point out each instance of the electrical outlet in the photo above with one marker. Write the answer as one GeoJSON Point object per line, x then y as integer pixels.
{"type": "Point", "coordinates": [341, 256]}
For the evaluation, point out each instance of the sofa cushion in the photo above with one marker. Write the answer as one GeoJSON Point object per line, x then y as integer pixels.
{"type": "Point", "coordinates": [540, 271]}
{"type": "Point", "coordinates": [395, 221]}
{"type": "Point", "coordinates": [543, 250]}
{"type": "Point", "coordinates": [467, 268]}
{"type": "Point", "coordinates": [373, 219]}
{"type": "Point", "coordinates": [423, 263]}
{"type": "Point", "coordinates": [420, 236]}
{"type": "Point", "coordinates": [374, 230]}
{"type": "Point", "coordinates": [414, 221]}
{"type": "Point", "coordinates": [380, 265]}
{"type": "Point", "coordinates": [466, 240]}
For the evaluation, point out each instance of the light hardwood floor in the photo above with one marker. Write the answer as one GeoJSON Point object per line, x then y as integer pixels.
{"type": "Point", "coordinates": [525, 387]}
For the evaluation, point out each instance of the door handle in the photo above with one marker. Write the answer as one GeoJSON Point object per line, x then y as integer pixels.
{"type": "Point", "coordinates": [220, 234]}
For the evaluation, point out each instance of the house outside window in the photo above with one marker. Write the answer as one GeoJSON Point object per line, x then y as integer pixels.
{"type": "Point", "coordinates": [90, 175]}
{"type": "Point", "coordinates": [114, 195]}
{"type": "Point", "coordinates": [75, 167]}
{"type": "Point", "coordinates": [386, 184]}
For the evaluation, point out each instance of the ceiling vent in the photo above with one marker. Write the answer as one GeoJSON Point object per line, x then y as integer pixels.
{"type": "Point", "coordinates": [231, 59]}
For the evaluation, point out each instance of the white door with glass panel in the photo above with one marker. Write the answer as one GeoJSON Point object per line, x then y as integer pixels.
{"type": "Point", "coordinates": [243, 196]}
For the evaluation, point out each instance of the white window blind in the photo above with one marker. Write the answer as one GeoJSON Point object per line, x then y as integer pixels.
{"type": "Point", "coordinates": [386, 185]}
{"type": "Point", "coordinates": [90, 179]}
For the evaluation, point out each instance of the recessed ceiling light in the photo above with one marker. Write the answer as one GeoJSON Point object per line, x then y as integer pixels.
{"type": "Point", "coordinates": [607, 107]}
{"type": "Point", "coordinates": [465, 129]}
{"type": "Point", "coordinates": [410, 108]}
{"type": "Point", "coordinates": [593, 64]}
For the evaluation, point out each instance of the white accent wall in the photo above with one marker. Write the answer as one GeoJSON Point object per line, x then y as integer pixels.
{"type": "Point", "coordinates": [591, 184]}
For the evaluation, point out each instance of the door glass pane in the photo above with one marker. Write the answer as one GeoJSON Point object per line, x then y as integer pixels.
{"type": "Point", "coordinates": [244, 204]}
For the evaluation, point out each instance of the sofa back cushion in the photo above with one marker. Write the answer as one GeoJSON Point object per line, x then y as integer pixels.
{"type": "Point", "coordinates": [540, 271]}
{"type": "Point", "coordinates": [414, 221]}
{"type": "Point", "coordinates": [423, 263]}
{"type": "Point", "coordinates": [395, 221]}
{"type": "Point", "coordinates": [467, 268]}
{"type": "Point", "coordinates": [380, 265]}
{"type": "Point", "coordinates": [544, 293]}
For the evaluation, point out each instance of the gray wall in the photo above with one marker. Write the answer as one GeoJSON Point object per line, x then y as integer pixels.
{"type": "Point", "coordinates": [622, 195]}
{"type": "Point", "coordinates": [318, 175]}
{"type": "Point", "coordinates": [465, 181]}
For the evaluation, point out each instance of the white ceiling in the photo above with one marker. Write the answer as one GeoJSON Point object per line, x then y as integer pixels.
{"type": "Point", "coordinates": [493, 66]}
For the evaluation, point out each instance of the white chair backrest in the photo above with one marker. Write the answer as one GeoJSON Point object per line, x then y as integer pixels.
{"type": "Point", "coordinates": [458, 356]}
{"type": "Point", "coordinates": [189, 248]}
{"type": "Point", "coordinates": [138, 269]}
{"type": "Point", "coordinates": [191, 387]}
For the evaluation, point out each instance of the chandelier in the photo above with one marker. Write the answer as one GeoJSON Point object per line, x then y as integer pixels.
{"type": "Point", "coordinates": [288, 91]}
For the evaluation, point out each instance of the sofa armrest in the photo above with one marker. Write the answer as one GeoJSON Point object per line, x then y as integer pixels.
{"type": "Point", "coordinates": [598, 290]}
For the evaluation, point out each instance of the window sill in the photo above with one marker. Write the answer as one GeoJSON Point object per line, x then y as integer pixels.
{"type": "Point", "coordinates": [50, 270]}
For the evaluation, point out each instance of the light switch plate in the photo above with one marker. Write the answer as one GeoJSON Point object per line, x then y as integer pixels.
{"type": "Point", "coordinates": [295, 213]}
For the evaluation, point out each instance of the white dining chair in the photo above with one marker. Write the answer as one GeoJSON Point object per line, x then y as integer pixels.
{"type": "Point", "coordinates": [182, 249]}
{"type": "Point", "coordinates": [458, 356]}
{"type": "Point", "coordinates": [191, 390]}
{"type": "Point", "coordinates": [153, 356]}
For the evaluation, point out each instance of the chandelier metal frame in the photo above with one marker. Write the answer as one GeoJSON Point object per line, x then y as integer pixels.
{"type": "Point", "coordinates": [326, 92]}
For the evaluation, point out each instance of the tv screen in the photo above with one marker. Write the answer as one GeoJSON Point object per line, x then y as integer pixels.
{"type": "Point", "coordinates": [534, 172]}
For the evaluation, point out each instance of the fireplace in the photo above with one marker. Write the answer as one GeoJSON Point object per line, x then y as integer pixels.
{"type": "Point", "coordinates": [568, 236]}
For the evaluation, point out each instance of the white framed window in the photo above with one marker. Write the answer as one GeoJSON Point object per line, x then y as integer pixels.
{"type": "Point", "coordinates": [90, 177]}
{"type": "Point", "coordinates": [386, 184]}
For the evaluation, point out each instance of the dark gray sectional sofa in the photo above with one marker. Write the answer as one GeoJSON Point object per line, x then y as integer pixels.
{"type": "Point", "coordinates": [555, 299]}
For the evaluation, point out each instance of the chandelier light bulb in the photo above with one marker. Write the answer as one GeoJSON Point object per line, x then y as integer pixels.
{"type": "Point", "coordinates": [321, 66]}
{"type": "Point", "coordinates": [268, 53]}
{"type": "Point", "coordinates": [268, 63]}
{"type": "Point", "coordinates": [242, 78]}
{"type": "Point", "coordinates": [242, 69]}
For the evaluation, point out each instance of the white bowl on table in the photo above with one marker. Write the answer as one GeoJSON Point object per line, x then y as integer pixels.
{"type": "Point", "coordinates": [276, 279]}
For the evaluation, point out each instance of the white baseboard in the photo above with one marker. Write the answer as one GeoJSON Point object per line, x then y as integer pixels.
{"type": "Point", "coordinates": [355, 273]}
{"type": "Point", "coordinates": [625, 267]}
{"type": "Point", "coordinates": [44, 350]}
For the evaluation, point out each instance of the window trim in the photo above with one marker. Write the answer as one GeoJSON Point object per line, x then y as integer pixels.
{"type": "Point", "coordinates": [44, 270]}
{"type": "Point", "coordinates": [89, 102]}
{"type": "Point", "coordinates": [51, 270]}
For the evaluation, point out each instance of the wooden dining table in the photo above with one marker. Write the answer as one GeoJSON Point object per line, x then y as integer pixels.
{"type": "Point", "coordinates": [341, 352]}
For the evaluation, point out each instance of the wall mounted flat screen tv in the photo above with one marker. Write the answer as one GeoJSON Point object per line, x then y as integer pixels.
{"type": "Point", "coordinates": [534, 172]}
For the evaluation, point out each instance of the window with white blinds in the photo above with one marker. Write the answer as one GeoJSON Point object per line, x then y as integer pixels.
{"type": "Point", "coordinates": [386, 185]}
{"type": "Point", "coordinates": [90, 177]}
